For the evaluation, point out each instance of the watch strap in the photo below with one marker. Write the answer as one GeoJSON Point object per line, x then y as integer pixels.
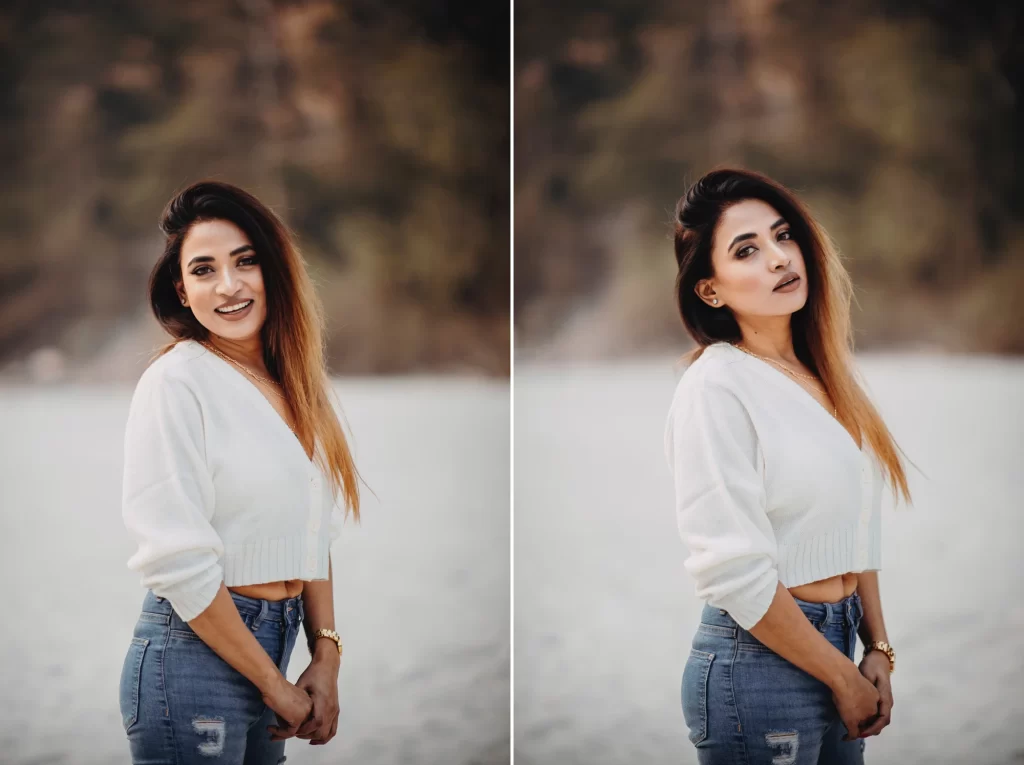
{"type": "Point", "coordinates": [881, 645]}
{"type": "Point", "coordinates": [325, 633]}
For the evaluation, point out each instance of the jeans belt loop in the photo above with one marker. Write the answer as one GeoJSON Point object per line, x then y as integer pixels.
{"type": "Point", "coordinates": [260, 616]}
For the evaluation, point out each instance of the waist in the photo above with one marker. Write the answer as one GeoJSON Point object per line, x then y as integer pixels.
{"type": "Point", "coordinates": [839, 615]}
{"type": "Point", "coordinates": [273, 591]}
{"type": "Point", "coordinates": [286, 611]}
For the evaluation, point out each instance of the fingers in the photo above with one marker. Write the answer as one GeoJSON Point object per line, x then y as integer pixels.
{"type": "Point", "coordinates": [323, 732]}
{"type": "Point", "coordinates": [886, 704]}
{"type": "Point", "coordinates": [319, 725]}
{"type": "Point", "coordinates": [857, 730]}
{"type": "Point", "coordinates": [333, 731]}
{"type": "Point", "coordinates": [284, 729]}
{"type": "Point", "coordinates": [311, 729]}
{"type": "Point", "coordinates": [876, 727]}
{"type": "Point", "coordinates": [312, 724]}
{"type": "Point", "coordinates": [883, 718]}
{"type": "Point", "coordinates": [278, 733]}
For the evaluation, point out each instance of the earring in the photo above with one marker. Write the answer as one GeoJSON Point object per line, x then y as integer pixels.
{"type": "Point", "coordinates": [715, 301]}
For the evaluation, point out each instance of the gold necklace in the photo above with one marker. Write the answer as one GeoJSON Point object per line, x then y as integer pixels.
{"type": "Point", "coordinates": [253, 375]}
{"type": "Point", "coordinates": [783, 367]}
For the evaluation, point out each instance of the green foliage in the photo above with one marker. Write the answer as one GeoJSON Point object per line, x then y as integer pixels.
{"type": "Point", "coordinates": [382, 142]}
{"type": "Point", "coordinates": [898, 129]}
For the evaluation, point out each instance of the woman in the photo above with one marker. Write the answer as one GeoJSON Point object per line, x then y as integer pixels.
{"type": "Point", "coordinates": [234, 462]}
{"type": "Point", "coordinates": [778, 459]}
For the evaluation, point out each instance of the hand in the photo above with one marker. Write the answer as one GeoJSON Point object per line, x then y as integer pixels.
{"type": "Point", "coordinates": [875, 667]}
{"type": "Point", "coordinates": [291, 705]}
{"type": "Point", "coordinates": [320, 681]}
{"type": "Point", "coordinates": [857, 701]}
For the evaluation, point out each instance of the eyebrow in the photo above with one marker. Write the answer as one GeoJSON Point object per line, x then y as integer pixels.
{"type": "Point", "coordinates": [744, 237]}
{"type": "Point", "coordinates": [210, 258]}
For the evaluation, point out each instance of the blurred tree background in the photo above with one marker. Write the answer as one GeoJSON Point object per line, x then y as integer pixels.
{"type": "Point", "coordinates": [378, 130]}
{"type": "Point", "coordinates": [897, 122]}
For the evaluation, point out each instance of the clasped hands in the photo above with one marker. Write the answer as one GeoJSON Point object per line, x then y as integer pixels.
{"type": "Point", "coordinates": [320, 682]}
{"type": "Point", "coordinates": [875, 667]}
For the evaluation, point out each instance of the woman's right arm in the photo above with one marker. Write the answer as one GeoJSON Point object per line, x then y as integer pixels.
{"type": "Point", "coordinates": [721, 509]}
{"type": "Point", "coordinates": [167, 505]}
{"type": "Point", "coordinates": [221, 628]}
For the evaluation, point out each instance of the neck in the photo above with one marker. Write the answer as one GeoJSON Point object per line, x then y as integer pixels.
{"type": "Point", "coordinates": [769, 336]}
{"type": "Point", "coordinates": [248, 351]}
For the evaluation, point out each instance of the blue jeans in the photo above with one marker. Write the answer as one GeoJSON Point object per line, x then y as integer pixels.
{"type": "Point", "coordinates": [181, 703]}
{"type": "Point", "coordinates": [746, 705]}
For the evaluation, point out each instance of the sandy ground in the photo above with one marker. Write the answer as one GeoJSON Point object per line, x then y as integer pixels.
{"type": "Point", "coordinates": [421, 586]}
{"type": "Point", "coordinates": [605, 612]}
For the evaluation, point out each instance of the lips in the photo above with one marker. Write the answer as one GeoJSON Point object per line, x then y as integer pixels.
{"type": "Point", "coordinates": [234, 307]}
{"type": "Point", "coordinates": [786, 280]}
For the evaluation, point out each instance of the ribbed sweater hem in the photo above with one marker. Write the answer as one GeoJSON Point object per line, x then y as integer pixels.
{"type": "Point", "coordinates": [826, 555]}
{"type": "Point", "coordinates": [275, 560]}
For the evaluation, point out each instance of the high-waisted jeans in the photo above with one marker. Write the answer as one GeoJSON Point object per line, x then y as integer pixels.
{"type": "Point", "coordinates": [181, 703]}
{"type": "Point", "coordinates": [745, 705]}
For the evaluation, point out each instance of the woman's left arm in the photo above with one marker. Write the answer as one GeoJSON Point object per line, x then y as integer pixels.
{"type": "Point", "coordinates": [320, 680]}
{"type": "Point", "coordinates": [875, 664]}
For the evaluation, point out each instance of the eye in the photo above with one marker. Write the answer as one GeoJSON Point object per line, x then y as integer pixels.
{"type": "Point", "coordinates": [739, 252]}
{"type": "Point", "coordinates": [248, 260]}
{"type": "Point", "coordinates": [786, 234]}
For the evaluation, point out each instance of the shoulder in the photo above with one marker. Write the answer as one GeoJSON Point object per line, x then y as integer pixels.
{"type": "Point", "coordinates": [173, 372]}
{"type": "Point", "coordinates": [717, 368]}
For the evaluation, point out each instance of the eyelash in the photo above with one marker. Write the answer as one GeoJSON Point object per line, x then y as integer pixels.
{"type": "Point", "coordinates": [240, 262]}
{"type": "Point", "coordinates": [741, 256]}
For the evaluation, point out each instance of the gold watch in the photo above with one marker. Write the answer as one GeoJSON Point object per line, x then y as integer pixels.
{"type": "Point", "coordinates": [881, 645]}
{"type": "Point", "coordinates": [326, 633]}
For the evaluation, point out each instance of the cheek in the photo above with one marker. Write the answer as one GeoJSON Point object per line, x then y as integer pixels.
{"type": "Point", "coordinates": [746, 281]}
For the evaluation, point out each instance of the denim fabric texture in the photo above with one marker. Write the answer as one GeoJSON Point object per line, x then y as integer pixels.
{"type": "Point", "coordinates": [743, 704]}
{"type": "Point", "coordinates": [181, 703]}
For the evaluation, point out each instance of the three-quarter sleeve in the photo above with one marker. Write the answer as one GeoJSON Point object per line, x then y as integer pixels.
{"type": "Point", "coordinates": [167, 499]}
{"type": "Point", "coordinates": [721, 505]}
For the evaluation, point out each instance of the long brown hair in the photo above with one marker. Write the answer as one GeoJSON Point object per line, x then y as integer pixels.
{"type": "Point", "coordinates": [293, 333]}
{"type": "Point", "coordinates": [822, 330]}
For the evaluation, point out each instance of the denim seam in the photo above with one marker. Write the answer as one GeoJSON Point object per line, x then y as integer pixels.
{"type": "Point", "coordinates": [168, 717]}
{"type": "Point", "coordinates": [717, 630]}
{"type": "Point", "coordinates": [183, 635]}
{"type": "Point", "coordinates": [733, 706]}
{"type": "Point", "coordinates": [137, 681]}
{"type": "Point", "coordinates": [753, 647]}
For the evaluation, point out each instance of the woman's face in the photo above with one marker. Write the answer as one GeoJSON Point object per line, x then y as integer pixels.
{"type": "Point", "coordinates": [220, 270]}
{"type": "Point", "coordinates": [753, 250]}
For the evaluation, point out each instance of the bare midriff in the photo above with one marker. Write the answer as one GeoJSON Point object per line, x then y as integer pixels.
{"type": "Point", "coordinates": [271, 590]}
{"type": "Point", "coordinates": [830, 590]}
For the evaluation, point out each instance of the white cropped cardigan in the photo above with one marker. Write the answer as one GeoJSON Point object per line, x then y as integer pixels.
{"type": "Point", "coordinates": [769, 486]}
{"type": "Point", "coordinates": [216, 486]}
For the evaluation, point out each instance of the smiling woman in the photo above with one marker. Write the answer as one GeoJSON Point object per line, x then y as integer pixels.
{"type": "Point", "coordinates": [237, 478]}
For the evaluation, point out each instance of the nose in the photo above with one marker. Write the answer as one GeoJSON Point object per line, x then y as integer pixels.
{"type": "Point", "coordinates": [777, 257]}
{"type": "Point", "coordinates": [227, 285]}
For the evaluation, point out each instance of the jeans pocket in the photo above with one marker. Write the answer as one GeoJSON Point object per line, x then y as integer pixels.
{"type": "Point", "coordinates": [131, 676]}
{"type": "Point", "coordinates": [695, 694]}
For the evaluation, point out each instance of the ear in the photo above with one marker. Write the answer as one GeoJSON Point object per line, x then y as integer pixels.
{"type": "Point", "coordinates": [706, 292]}
{"type": "Point", "coordinates": [180, 289]}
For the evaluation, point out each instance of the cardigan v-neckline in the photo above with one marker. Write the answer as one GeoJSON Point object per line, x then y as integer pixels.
{"type": "Point", "coordinates": [240, 378]}
{"type": "Point", "coordinates": [779, 374]}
